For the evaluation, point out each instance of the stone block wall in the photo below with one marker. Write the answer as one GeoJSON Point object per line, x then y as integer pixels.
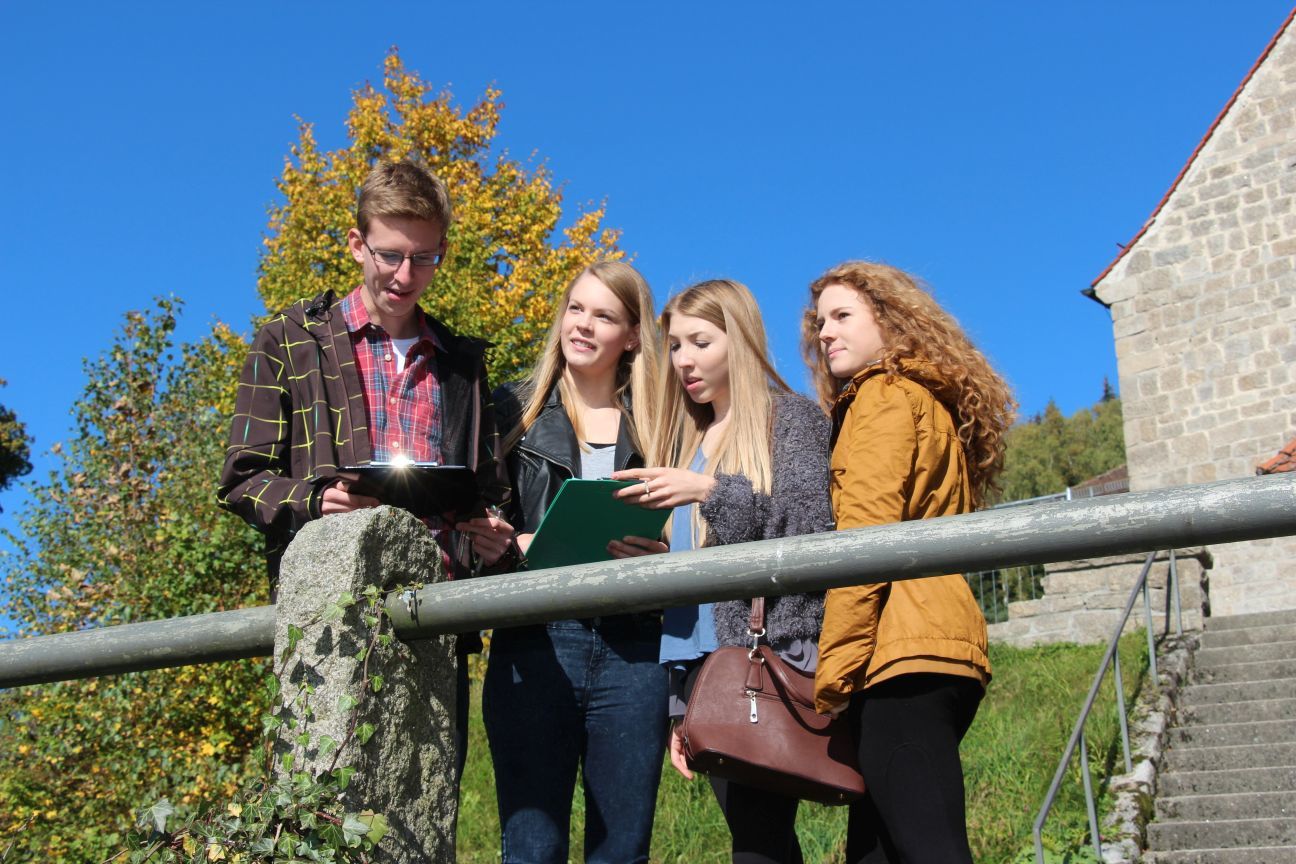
{"type": "Point", "coordinates": [1204, 314]}
{"type": "Point", "coordinates": [1084, 599]}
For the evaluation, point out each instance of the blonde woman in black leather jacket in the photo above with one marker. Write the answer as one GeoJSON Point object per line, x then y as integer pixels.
{"type": "Point", "coordinates": [585, 693]}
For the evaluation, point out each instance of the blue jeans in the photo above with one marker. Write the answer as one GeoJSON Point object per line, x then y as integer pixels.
{"type": "Point", "coordinates": [576, 693]}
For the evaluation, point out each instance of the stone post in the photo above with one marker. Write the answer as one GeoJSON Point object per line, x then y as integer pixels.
{"type": "Point", "coordinates": [406, 771]}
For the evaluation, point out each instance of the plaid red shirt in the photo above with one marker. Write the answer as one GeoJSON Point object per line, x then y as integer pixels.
{"type": "Point", "coordinates": [404, 408]}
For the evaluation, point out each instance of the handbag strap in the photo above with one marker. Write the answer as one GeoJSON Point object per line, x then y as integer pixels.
{"type": "Point", "coordinates": [756, 621]}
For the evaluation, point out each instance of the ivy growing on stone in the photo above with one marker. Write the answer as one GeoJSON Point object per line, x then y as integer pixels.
{"type": "Point", "coordinates": [289, 815]}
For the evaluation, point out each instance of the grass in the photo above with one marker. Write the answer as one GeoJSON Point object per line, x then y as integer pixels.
{"type": "Point", "coordinates": [1009, 757]}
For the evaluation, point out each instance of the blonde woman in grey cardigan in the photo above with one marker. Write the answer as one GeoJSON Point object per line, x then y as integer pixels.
{"type": "Point", "coordinates": [739, 457]}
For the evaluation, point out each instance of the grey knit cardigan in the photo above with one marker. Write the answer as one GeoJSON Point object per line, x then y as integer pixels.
{"type": "Point", "coordinates": [798, 503]}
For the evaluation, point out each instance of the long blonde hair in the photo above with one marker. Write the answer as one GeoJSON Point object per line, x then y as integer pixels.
{"type": "Point", "coordinates": [940, 357]}
{"type": "Point", "coordinates": [745, 447]}
{"type": "Point", "coordinates": [636, 373]}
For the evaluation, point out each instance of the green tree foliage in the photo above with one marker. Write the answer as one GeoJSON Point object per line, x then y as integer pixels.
{"type": "Point", "coordinates": [508, 261]}
{"type": "Point", "coordinates": [15, 446]}
{"type": "Point", "coordinates": [1050, 452]}
{"type": "Point", "coordinates": [127, 529]}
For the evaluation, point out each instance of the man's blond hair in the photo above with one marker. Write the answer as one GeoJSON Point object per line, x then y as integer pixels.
{"type": "Point", "coordinates": [403, 189]}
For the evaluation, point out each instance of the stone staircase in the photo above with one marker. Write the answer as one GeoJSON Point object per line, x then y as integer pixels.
{"type": "Point", "coordinates": [1227, 787]}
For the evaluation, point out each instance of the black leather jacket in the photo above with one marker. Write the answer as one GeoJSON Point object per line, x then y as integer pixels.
{"type": "Point", "coordinates": [546, 455]}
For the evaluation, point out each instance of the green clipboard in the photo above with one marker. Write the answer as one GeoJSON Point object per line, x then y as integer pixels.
{"type": "Point", "coordinates": [583, 518]}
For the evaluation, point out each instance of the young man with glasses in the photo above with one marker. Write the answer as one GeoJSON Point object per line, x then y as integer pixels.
{"type": "Point", "coordinates": [369, 377]}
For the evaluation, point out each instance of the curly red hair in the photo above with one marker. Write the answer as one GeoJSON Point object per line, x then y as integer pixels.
{"type": "Point", "coordinates": [935, 352]}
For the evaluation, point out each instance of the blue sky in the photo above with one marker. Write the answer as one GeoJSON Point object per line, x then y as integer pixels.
{"type": "Point", "coordinates": [999, 150]}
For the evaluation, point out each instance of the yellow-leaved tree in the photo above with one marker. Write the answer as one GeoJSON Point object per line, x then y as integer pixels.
{"type": "Point", "coordinates": [508, 260]}
{"type": "Point", "coordinates": [127, 529]}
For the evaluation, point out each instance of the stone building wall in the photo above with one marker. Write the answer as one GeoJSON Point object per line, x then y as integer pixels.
{"type": "Point", "coordinates": [1203, 306]}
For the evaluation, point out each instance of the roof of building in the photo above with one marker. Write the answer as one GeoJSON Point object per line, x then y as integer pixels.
{"type": "Point", "coordinates": [1200, 145]}
{"type": "Point", "coordinates": [1107, 483]}
{"type": "Point", "coordinates": [1284, 461]}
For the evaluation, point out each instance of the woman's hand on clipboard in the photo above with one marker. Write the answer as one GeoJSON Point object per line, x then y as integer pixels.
{"type": "Point", "coordinates": [661, 488]}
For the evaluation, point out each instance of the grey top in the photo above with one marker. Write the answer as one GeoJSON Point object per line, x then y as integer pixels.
{"type": "Point", "coordinates": [798, 503]}
{"type": "Point", "coordinates": [598, 462]}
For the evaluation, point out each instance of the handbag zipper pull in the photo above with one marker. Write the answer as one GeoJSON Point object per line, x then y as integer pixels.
{"type": "Point", "coordinates": [751, 694]}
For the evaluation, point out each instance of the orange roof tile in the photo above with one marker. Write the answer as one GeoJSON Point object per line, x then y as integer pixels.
{"type": "Point", "coordinates": [1284, 461]}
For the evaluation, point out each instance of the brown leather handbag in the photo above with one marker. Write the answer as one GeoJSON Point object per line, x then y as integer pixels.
{"type": "Point", "coordinates": [751, 719]}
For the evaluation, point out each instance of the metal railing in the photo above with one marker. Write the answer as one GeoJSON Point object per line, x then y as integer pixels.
{"type": "Point", "coordinates": [1111, 659]}
{"type": "Point", "coordinates": [1071, 493]}
{"type": "Point", "coordinates": [995, 589]}
{"type": "Point", "coordinates": [1220, 512]}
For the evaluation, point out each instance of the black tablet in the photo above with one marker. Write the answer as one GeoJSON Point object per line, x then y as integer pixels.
{"type": "Point", "coordinates": [423, 488]}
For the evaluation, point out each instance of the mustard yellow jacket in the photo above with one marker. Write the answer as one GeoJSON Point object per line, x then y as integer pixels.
{"type": "Point", "coordinates": [896, 456]}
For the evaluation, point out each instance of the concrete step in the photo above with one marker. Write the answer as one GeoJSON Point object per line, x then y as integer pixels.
{"type": "Point", "coordinates": [1229, 636]}
{"type": "Point", "coordinates": [1223, 734]}
{"type": "Point", "coordinates": [1254, 855]}
{"type": "Point", "coordinates": [1277, 617]}
{"type": "Point", "coordinates": [1227, 789]}
{"type": "Point", "coordinates": [1231, 756]}
{"type": "Point", "coordinates": [1252, 711]}
{"type": "Point", "coordinates": [1238, 805]}
{"type": "Point", "coordinates": [1229, 780]}
{"type": "Point", "coordinates": [1255, 670]}
{"type": "Point", "coordinates": [1207, 658]}
{"type": "Point", "coordinates": [1223, 833]}
{"type": "Point", "coordinates": [1242, 691]}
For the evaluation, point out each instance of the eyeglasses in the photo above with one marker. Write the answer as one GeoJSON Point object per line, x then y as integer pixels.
{"type": "Point", "coordinates": [395, 259]}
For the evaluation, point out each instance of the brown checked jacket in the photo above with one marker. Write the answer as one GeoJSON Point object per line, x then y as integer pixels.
{"type": "Point", "coordinates": [300, 414]}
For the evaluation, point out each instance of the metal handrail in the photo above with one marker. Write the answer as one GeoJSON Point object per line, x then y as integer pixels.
{"type": "Point", "coordinates": [1221, 512]}
{"type": "Point", "coordinates": [1110, 659]}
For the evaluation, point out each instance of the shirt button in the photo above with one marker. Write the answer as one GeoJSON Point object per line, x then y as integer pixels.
{"type": "Point", "coordinates": [395, 445]}
{"type": "Point", "coordinates": [392, 400]}
{"type": "Point", "coordinates": [387, 357]}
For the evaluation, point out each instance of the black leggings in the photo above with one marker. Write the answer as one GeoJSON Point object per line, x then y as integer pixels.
{"type": "Point", "coordinates": [762, 824]}
{"type": "Point", "coordinates": [909, 731]}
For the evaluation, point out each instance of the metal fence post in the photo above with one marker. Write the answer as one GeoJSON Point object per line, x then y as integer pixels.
{"type": "Point", "coordinates": [994, 591]}
{"type": "Point", "coordinates": [1089, 797]}
{"type": "Point", "coordinates": [1147, 620]}
{"type": "Point", "coordinates": [1174, 581]}
{"type": "Point", "coordinates": [1120, 708]}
